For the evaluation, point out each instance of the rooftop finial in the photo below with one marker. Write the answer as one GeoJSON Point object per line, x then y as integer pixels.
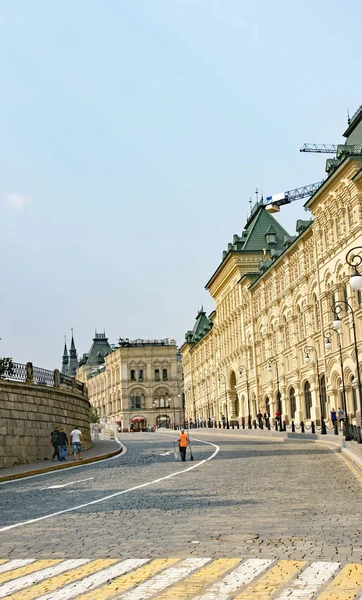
{"type": "Point", "coordinates": [257, 194]}
{"type": "Point", "coordinates": [251, 204]}
{"type": "Point", "coordinates": [348, 117]}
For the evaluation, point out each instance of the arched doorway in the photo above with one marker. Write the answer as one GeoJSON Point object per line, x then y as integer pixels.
{"type": "Point", "coordinates": [307, 399]}
{"type": "Point", "coordinates": [163, 421]}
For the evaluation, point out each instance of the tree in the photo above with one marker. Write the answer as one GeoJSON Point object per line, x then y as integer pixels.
{"type": "Point", "coordinates": [94, 416]}
{"type": "Point", "coordinates": [6, 367]}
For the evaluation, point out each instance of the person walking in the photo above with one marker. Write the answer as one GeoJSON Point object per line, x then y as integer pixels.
{"type": "Point", "coordinates": [76, 439]}
{"type": "Point", "coordinates": [54, 440]}
{"type": "Point", "coordinates": [259, 416]}
{"type": "Point", "coordinates": [183, 442]}
{"type": "Point", "coordinates": [267, 419]}
{"type": "Point", "coordinates": [63, 444]}
{"type": "Point", "coordinates": [340, 418]}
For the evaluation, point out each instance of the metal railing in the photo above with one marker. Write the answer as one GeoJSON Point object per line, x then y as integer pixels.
{"type": "Point", "coordinates": [37, 376]}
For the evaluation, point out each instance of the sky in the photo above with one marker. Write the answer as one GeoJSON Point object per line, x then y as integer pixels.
{"type": "Point", "coordinates": [133, 135]}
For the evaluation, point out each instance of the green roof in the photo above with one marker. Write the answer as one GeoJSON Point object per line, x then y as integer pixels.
{"type": "Point", "coordinates": [98, 350]}
{"type": "Point", "coordinates": [202, 326]}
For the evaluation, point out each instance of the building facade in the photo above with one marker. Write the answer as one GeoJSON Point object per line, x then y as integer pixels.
{"type": "Point", "coordinates": [137, 382]}
{"type": "Point", "coordinates": [273, 300]}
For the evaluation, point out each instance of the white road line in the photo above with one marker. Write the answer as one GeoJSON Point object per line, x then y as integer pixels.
{"type": "Point", "coordinates": [22, 582]}
{"type": "Point", "coordinates": [137, 487]}
{"type": "Point", "coordinates": [55, 487]}
{"type": "Point", "coordinates": [242, 575]}
{"type": "Point", "coordinates": [309, 581]}
{"type": "Point", "coordinates": [157, 583]}
{"type": "Point", "coordinates": [15, 564]}
{"type": "Point", "coordinates": [64, 471]}
{"type": "Point", "coordinates": [93, 581]}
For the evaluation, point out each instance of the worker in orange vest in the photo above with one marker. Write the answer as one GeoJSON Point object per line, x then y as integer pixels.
{"type": "Point", "coordinates": [183, 442]}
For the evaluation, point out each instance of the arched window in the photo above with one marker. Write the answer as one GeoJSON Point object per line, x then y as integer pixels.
{"type": "Point", "coordinates": [307, 399]}
{"type": "Point", "coordinates": [317, 319]}
{"type": "Point", "coordinates": [140, 375]}
{"type": "Point", "coordinates": [323, 396]}
{"type": "Point", "coordinates": [237, 405]}
{"type": "Point", "coordinates": [133, 375]}
{"type": "Point", "coordinates": [136, 400]}
{"type": "Point", "coordinates": [157, 374]}
{"type": "Point", "coordinates": [293, 404]}
{"type": "Point", "coordinates": [164, 375]}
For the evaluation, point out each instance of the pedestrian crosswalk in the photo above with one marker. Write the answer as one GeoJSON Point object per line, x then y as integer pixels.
{"type": "Point", "coordinates": [179, 579]}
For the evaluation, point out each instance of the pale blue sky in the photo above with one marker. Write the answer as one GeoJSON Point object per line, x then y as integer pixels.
{"type": "Point", "coordinates": [133, 134]}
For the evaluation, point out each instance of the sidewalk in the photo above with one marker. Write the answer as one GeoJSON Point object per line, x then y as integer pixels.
{"type": "Point", "coordinates": [351, 450]}
{"type": "Point", "coordinates": [100, 450]}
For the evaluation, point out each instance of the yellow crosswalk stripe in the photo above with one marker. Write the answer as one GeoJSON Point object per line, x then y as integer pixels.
{"type": "Point", "coordinates": [35, 566]}
{"type": "Point", "coordinates": [198, 581]}
{"type": "Point", "coordinates": [272, 581]}
{"type": "Point", "coordinates": [345, 585]}
{"type": "Point", "coordinates": [54, 583]}
{"type": "Point", "coordinates": [126, 582]}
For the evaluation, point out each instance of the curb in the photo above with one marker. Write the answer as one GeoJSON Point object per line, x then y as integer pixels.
{"type": "Point", "coordinates": [68, 465]}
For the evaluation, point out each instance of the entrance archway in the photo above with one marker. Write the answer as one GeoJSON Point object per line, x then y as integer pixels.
{"type": "Point", "coordinates": [139, 423]}
{"type": "Point", "coordinates": [163, 421]}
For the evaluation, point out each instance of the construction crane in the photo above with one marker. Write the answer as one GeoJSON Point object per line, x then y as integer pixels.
{"type": "Point", "coordinates": [319, 148]}
{"type": "Point", "coordinates": [273, 203]}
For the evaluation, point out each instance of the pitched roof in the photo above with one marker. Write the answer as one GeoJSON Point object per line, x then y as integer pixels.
{"type": "Point", "coordinates": [98, 350]}
{"type": "Point", "coordinates": [263, 223]}
{"type": "Point", "coordinates": [201, 327]}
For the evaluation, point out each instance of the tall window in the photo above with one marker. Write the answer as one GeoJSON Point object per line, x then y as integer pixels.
{"type": "Point", "coordinates": [307, 399]}
{"type": "Point", "coordinates": [355, 397]}
{"type": "Point", "coordinates": [323, 396]}
{"type": "Point", "coordinates": [293, 404]}
{"type": "Point", "coordinates": [300, 324]}
{"type": "Point", "coordinates": [317, 319]}
{"type": "Point", "coordinates": [140, 375]}
{"type": "Point", "coordinates": [286, 333]}
{"type": "Point", "coordinates": [164, 375]}
{"type": "Point", "coordinates": [137, 401]}
{"type": "Point", "coordinates": [157, 374]}
{"type": "Point", "coordinates": [133, 374]}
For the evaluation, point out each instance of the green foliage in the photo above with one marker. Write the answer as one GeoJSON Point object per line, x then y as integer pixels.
{"type": "Point", "coordinates": [94, 416]}
{"type": "Point", "coordinates": [6, 367]}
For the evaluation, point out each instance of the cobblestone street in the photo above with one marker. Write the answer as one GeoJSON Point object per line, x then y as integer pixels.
{"type": "Point", "coordinates": [258, 500]}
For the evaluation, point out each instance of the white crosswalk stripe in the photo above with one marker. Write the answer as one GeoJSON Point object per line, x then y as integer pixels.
{"type": "Point", "coordinates": [15, 564]}
{"type": "Point", "coordinates": [242, 575]}
{"type": "Point", "coordinates": [22, 582]}
{"type": "Point", "coordinates": [92, 581]}
{"type": "Point", "coordinates": [309, 581]}
{"type": "Point", "coordinates": [167, 578]}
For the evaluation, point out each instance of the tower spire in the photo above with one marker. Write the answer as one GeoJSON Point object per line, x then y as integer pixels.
{"type": "Point", "coordinates": [73, 359]}
{"type": "Point", "coordinates": [65, 358]}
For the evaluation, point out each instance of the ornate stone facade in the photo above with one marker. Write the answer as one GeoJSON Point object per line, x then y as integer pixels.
{"type": "Point", "coordinates": [140, 382]}
{"type": "Point", "coordinates": [271, 303]}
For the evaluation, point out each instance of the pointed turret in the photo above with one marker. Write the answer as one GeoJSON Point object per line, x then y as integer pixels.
{"type": "Point", "coordinates": [73, 359]}
{"type": "Point", "coordinates": [65, 359]}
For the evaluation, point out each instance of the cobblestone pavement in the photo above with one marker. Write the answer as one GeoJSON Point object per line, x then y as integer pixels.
{"type": "Point", "coordinates": [261, 513]}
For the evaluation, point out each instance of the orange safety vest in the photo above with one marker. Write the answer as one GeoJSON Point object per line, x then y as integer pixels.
{"type": "Point", "coordinates": [183, 441]}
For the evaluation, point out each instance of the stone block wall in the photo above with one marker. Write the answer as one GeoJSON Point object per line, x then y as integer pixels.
{"type": "Point", "coordinates": [29, 412]}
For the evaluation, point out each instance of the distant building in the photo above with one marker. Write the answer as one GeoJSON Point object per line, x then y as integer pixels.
{"type": "Point", "coordinates": [138, 382]}
{"type": "Point", "coordinates": [70, 361]}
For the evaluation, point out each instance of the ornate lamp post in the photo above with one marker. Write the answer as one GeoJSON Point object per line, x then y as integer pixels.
{"type": "Point", "coordinates": [354, 259]}
{"type": "Point", "coordinates": [226, 401]}
{"type": "Point", "coordinates": [327, 337]}
{"type": "Point", "coordinates": [241, 370]}
{"type": "Point", "coordinates": [307, 351]}
{"type": "Point", "coordinates": [337, 308]}
{"type": "Point", "coordinates": [270, 369]}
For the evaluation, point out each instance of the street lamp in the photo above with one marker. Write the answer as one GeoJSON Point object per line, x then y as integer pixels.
{"type": "Point", "coordinates": [337, 308]}
{"type": "Point", "coordinates": [270, 369]}
{"type": "Point", "coordinates": [241, 370]}
{"type": "Point", "coordinates": [327, 337]}
{"type": "Point", "coordinates": [307, 351]}
{"type": "Point", "coordinates": [226, 401]}
{"type": "Point", "coordinates": [355, 260]}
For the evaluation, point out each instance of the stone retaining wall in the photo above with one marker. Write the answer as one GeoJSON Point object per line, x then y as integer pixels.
{"type": "Point", "coordinates": [28, 413]}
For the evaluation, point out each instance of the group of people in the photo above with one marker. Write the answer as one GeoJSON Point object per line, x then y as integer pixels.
{"type": "Point", "coordinates": [59, 441]}
{"type": "Point", "coordinates": [337, 417]}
